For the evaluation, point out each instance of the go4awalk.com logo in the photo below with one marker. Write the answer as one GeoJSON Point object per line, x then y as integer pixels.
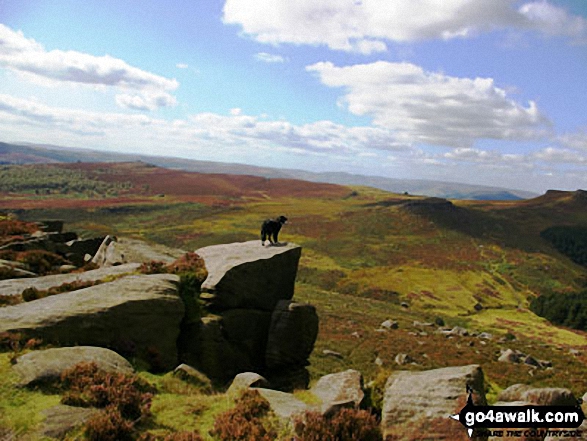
{"type": "Point", "coordinates": [511, 421]}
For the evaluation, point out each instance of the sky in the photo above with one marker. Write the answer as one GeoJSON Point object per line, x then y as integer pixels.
{"type": "Point", "coordinates": [489, 92]}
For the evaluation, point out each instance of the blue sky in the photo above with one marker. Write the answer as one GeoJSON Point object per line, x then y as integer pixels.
{"type": "Point", "coordinates": [478, 91]}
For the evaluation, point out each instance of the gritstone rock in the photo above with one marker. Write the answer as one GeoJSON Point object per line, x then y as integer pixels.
{"type": "Point", "coordinates": [144, 310]}
{"type": "Point", "coordinates": [47, 365]}
{"type": "Point", "coordinates": [247, 275]}
{"type": "Point", "coordinates": [420, 402]}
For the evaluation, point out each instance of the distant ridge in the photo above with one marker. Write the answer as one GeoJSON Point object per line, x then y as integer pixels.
{"type": "Point", "coordinates": [26, 153]}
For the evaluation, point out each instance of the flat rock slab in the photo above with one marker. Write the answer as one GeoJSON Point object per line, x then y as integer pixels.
{"type": "Point", "coordinates": [141, 311]}
{"type": "Point", "coordinates": [421, 402]}
{"type": "Point", "coordinates": [248, 275]}
{"type": "Point", "coordinates": [47, 365]}
{"type": "Point", "coordinates": [17, 286]}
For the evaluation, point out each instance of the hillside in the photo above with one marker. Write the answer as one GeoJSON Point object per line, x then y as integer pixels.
{"type": "Point", "coordinates": [31, 153]}
{"type": "Point", "coordinates": [369, 256]}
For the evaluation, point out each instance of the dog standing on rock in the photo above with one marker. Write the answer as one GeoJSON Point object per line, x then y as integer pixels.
{"type": "Point", "coordinates": [270, 229]}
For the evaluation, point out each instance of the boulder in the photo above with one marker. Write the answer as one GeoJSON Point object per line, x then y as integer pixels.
{"type": "Point", "coordinates": [248, 329]}
{"type": "Point", "coordinates": [509, 356]}
{"type": "Point", "coordinates": [342, 387]}
{"type": "Point", "coordinates": [247, 275]}
{"type": "Point", "coordinates": [546, 396]}
{"type": "Point", "coordinates": [402, 359]}
{"type": "Point", "coordinates": [389, 324]}
{"type": "Point", "coordinates": [244, 381]}
{"type": "Point", "coordinates": [293, 331]}
{"type": "Point", "coordinates": [15, 287]}
{"type": "Point", "coordinates": [116, 251]}
{"type": "Point", "coordinates": [145, 310]}
{"type": "Point", "coordinates": [61, 419]}
{"type": "Point", "coordinates": [421, 402]}
{"type": "Point", "coordinates": [193, 376]}
{"type": "Point", "coordinates": [285, 406]}
{"type": "Point", "coordinates": [209, 351]}
{"type": "Point", "coordinates": [46, 366]}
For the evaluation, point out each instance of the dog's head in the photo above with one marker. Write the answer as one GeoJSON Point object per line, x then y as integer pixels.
{"type": "Point", "coordinates": [282, 219]}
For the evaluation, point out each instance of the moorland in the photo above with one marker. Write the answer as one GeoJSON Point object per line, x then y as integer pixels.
{"type": "Point", "coordinates": [368, 256]}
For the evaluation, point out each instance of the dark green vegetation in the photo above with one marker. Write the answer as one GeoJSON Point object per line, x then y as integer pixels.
{"type": "Point", "coordinates": [571, 241]}
{"type": "Point", "coordinates": [566, 310]}
{"type": "Point", "coordinates": [47, 179]}
{"type": "Point", "coordinates": [367, 256]}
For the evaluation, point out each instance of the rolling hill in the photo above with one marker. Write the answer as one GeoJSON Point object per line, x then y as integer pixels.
{"type": "Point", "coordinates": [30, 153]}
{"type": "Point", "coordinates": [457, 277]}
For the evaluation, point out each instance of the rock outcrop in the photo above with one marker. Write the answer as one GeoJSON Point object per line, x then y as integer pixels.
{"type": "Point", "coordinates": [421, 402]}
{"type": "Point", "coordinates": [47, 366]}
{"type": "Point", "coordinates": [144, 312]}
{"type": "Point", "coordinates": [254, 325]}
{"type": "Point", "coordinates": [247, 275]}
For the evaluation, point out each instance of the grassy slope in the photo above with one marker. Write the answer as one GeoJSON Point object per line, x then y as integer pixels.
{"type": "Point", "coordinates": [364, 253]}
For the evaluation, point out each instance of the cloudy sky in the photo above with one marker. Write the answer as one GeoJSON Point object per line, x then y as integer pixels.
{"type": "Point", "coordinates": [478, 91]}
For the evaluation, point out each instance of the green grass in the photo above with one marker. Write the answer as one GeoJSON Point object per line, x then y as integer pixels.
{"type": "Point", "coordinates": [20, 409]}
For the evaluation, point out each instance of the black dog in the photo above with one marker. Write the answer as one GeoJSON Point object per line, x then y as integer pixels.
{"type": "Point", "coordinates": [270, 228]}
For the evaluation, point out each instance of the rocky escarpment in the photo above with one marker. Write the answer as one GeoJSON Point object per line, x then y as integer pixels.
{"type": "Point", "coordinates": [254, 324]}
{"type": "Point", "coordinates": [247, 320]}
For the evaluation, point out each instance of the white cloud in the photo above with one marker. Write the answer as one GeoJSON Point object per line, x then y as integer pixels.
{"type": "Point", "coordinates": [181, 66]}
{"type": "Point", "coordinates": [223, 132]}
{"type": "Point", "coordinates": [555, 155]}
{"type": "Point", "coordinates": [269, 58]}
{"type": "Point", "coordinates": [147, 101]}
{"type": "Point", "coordinates": [25, 55]}
{"type": "Point", "coordinates": [553, 20]}
{"type": "Point", "coordinates": [577, 140]}
{"type": "Point", "coordinates": [431, 108]}
{"type": "Point", "coordinates": [365, 25]}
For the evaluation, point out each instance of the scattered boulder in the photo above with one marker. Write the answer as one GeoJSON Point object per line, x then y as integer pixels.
{"type": "Point", "coordinates": [333, 354]}
{"type": "Point", "coordinates": [485, 336]}
{"type": "Point", "coordinates": [342, 387]}
{"type": "Point", "coordinates": [192, 376]}
{"type": "Point", "coordinates": [402, 359]}
{"type": "Point", "coordinates": [420, 402]}
{"type": "Point", "coordinates": [389, 324]}
{"type": "Point", "coordinates": [46, 366]}
{"type": "Point", "coordinates": [285, 406]}
{"type": "Point", "coordinates": [246, 380]}
{"type": "Point", "coordinates": [61, 419]}
{"type": "Point", "coordinates": [509, 356]}
{"type": "Point", "coordinates": [247, 275]}
{"type": "Point", "coordinates": [292, 333]}
{"type": "Point", "coordinates": [531, 361]}
{"type": "Point", "coordinates": [143, 309]}
{"type": "Point", "coordinates": [547, 396]}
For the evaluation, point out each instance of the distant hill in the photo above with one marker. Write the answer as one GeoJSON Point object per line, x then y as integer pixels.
{"type": "Point", "coordinates": [35, 153]}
